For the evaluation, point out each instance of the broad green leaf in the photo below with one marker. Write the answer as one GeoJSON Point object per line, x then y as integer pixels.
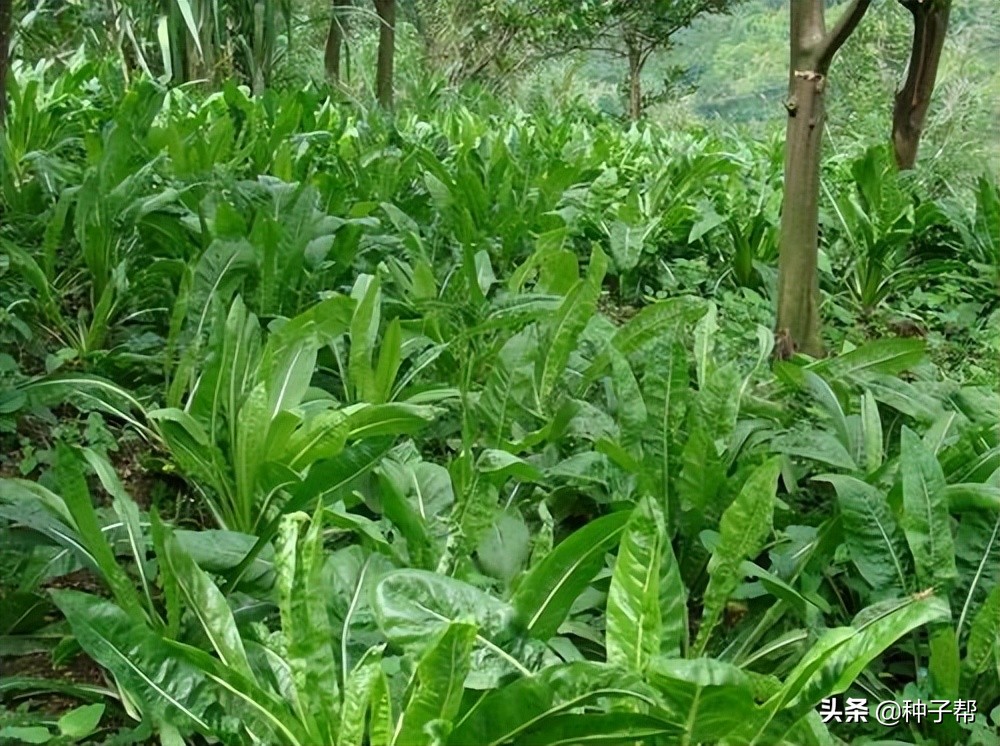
{"type": "Point", "coordinates": [305, 625]}
{"type": "Point", "coordinates": [710, 699]}
{"type": "Point", "coordinates": [412, 606]}
{"type": "Point", "coordinates": [702, 478]}
{"type": "Point", "coordinates": [972, 497]}
{"type": "Point", "coordinates": [324, 478]}
{"type": "Point", "coordinates": [839, 657]}
{"type": "Point", "coordinates": [704, 344]}
{"type": "Point", "coordinates": [665, 392]}
{"type": "Point", "coordinates": [506, 714]}
{"type": "Point", "coordinates": [977, 548]}
{"type": "Point", "coordinates": [349, 579]}
{"type": "Point", "coordinates": [626, 244]}
{"type": "Point", "coordinates": [237, 360]}
{"type": "Point", "coordinates": [561, 337]}
{"type": "Point", "coordinates": [252, 428]}
{"type": "Point", "coordinates": [217, 275]}
{"type": "Point", "coordinates": [937, 434]}
{"type": "Point", "coordinates": [885, 356]}
{"type": "Point", "coordinates": [874, 540]}
{"type": "Point", "coordinates": [558, 271]}
{"type": "Point", "coordinates": [426, 486]}
{"type": "Point", "coordinates": [673, 606]}
{"type": "Point", "coordinates": [81, 721]}
{"type": "Point", "coordinates": [823, 394]}
{"type": "Point", "coordinates": [191, 449]}
{"type": "Point", "coordinates": [218, 551]}
{"type": "Point", "coordinates": [816, 445]}
{"type": "Point", "coordinates": [168, 581]}
{"type": "Point", "coordinates": [381, 723]}
{"type": "Point", "coordinates": [544, 596]}
{"type": "Point", "coordinates": [286, 385]}
{"type": "Point", "coordinates": [708, 221]}
{"type": "Point", "coordinates": [501, 465]}
{"type": "Point", "coordinates": [587, 469]}
{"type": "Point", "coordinates": [205, 601]}
{"type": "Point", "coordinates": [377, 420]}
{"type": "Point", "coordinates": [321, 436]}
{"type": "Point", "coordinates": [717, 402]}
{"type": "Point", "coordinates": [26, 733]}
{"type": "Point", "coordinates": [389, 359]}
{"type": "Point", "coordinates": [810, 731]}
{"type": "Point", "coordinates": [744, 529]}
{"type": "Point", "coordinates": [712, 419]}
{"type": "Point", "coordinates": [945, 665]}
{"type": "Point", "coordinates": [984, 633]}
{"type": "Point", "coordinates": [485, 277]}
{"type": "Point", "coordinates": [778, 587]}
{"type": "Point", "coordinates": [630, 410]}
{"type": "Point", "coordinates": [505, 547]}
{"type": "Point", "coordinates": [176, 684]}
{"type": "Point", "coordinates": [188, 423]}
{"type": "Point", "coordinates": [611, 728]}
{"type": "Point", "coordinates": [128, 513]}
{"type": "Point", "coordinates": [440, 678]}
{"type": "Point", "coordinates": [363, 334]}
{"type": "Point", "coordinates": [69, 475]}
{"type": "Point", "coordinates": [871, 428]}
{"type": "Point", "coordinates": [412, 509]}
{"type": "Point", "coordinates": [660, 322]}
{"type": "Point", "coordinates": [633, 611]}
{"type": "Point", "coordinates": [903, 396]}
{"type": "Point", "coordinates": [926, 521]}
{"type": "Point", "coordinates": [358, 691]}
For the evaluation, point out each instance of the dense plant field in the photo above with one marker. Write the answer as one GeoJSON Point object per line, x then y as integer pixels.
{"type": "Point", "coordinates": [466, 425]}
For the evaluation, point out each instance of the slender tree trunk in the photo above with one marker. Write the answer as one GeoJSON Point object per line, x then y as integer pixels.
{"type": "Point", "coordinates": [386, 10]}
{"type": "Point", "coordinates": [634, 80]}
{"type": "Point", "coordinates": [798, 281]}
{"type": "Point", "coordinates": [812, 50]}
{"type": "Point", "coordinates": [6, 13]}
{"type": "Point", "coordinates": [335, 40]}
{"type": "Point", "coordinates": [909, 114]}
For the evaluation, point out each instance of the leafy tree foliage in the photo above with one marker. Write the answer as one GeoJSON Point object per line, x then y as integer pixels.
{"type": "Point", "coordinates": [626, 29]}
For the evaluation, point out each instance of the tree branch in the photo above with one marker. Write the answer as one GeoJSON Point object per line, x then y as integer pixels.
{"type": "Point", "coordinates": [930, 26]}
{"type": "Point", "coordinates": [836, 37]}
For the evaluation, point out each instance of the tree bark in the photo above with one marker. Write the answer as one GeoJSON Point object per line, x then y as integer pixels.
{"type": "Point", "coordinates": [909, 113]}
{"type": "Point", "coordinates": [634, 81]}
{"type": "Point", "coordinates": [6, 14]}
{"type": "Point", "coordinates": [386, 11]}
{"type": "Point", "coordinates": [335, 40]}
{"type": "Point", "coordinates": [812, 50]}
{"type": "Point", "coordinates": [798, 281]}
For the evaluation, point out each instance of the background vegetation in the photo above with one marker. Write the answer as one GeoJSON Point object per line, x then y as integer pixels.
{"type": "Point", "coordinates": [461, 422]}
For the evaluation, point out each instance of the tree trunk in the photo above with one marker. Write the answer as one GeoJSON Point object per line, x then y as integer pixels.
{"type": "Point", "coordinates": [6, 13]}
{"type": "Point", "coordinates": [812, 50]}
{"type": "Point", "coordinates": [909, 114]}
{"type": "Point", "coordinates": [335, 40]}
{"type": "Point", "coordinates": [386, 10]}
{"type": "Point", "coordinates": [634, 80]}
{"type": "Point", "coordinates": [798, 280]}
